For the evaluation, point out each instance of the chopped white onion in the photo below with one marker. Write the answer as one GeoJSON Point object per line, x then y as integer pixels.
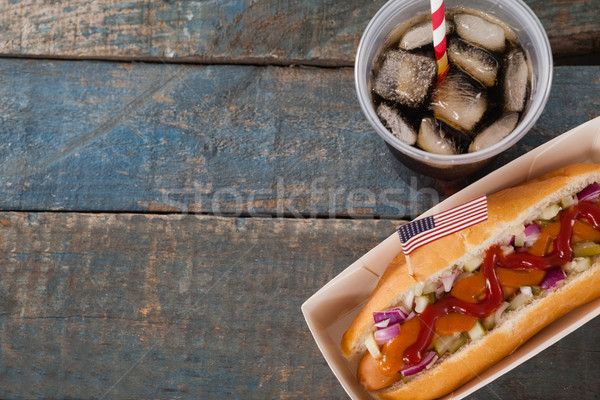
{"type": "Point", "coordinates": [519, 240]}
{"type": "Point", "coordinates": [551, 211]}
{"type": "Point", "coordinates": [517, 229]}
{"type": "Point", "coordinates": [568, 202]}
{"type": "Point", "coordinates": [473, 263]}
{"type": "Point", "coordinates": [372, 346]}
{"type": "Point", "coordinates": [430, 286]}
{"type": "Point", "coordinates": [500, 310]}
{"type": "Point", "coordinates": [409, 299]}
{"type": "Point", "coordinates": [578, 264]}
{"type": "Point", "coordinates": [418, 289]}
{"type": "Point", "coordinates": [507, 249]}
{"type": "Point", "coordinates": [526, 290]}
{"type": "Point", "coordinates": [477, 331]}
{"type": "Point", "coordinates": [519, 301]}
{"type": "Point", "coordinates": [420, 303]}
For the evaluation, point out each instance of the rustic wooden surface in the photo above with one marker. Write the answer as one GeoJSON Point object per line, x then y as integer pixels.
{"type": "Point", "coordinates": [178, 177]}
{"type": "Point", "coordinates": [321, 32]}
{"type": "Point", "coordinates": [167, 306]}
{"type": "Point", "coordinates": [99, 136]}
{"type": "Point", "coordinates": [185, 306]}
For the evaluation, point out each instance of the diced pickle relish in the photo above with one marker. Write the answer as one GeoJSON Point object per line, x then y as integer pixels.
{"type": "Point", "coordinates": [481, 304]}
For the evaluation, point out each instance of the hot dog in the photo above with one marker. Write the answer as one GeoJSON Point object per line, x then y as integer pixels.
{"type": "Point", "coordinates": [480, 293]}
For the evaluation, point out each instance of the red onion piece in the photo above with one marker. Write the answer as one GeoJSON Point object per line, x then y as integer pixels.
{"type": "Point", "coordinates": [439, 291]}
{"type": "Point", "coordinates": [552, 278]}
{"type": "Point", "coordinates": [532, 233]}
{"type": "Point", "coordinates": [500, 310]}
{"type": "Point", "coordinates": [591, 192]}
{"type": "Point", "coordinates": [508, 241]}
{"type": "Point", "coordinates": [532, 229]}
{"type": "Point", "coordinates": [427, 360]}
{"type": "Point", "coordinates": [448, 280]}
{"type": "Point", "coordinates": [383, 324]}
{"type": "Point", "coordinates": [385, 334]}
{"type": "Point", "coordinates": [394, 315]}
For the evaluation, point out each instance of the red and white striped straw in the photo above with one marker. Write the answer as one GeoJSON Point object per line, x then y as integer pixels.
{"type": "Point", "coordinates": [438, 19]}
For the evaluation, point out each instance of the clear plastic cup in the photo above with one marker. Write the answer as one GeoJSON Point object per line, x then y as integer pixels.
{"type": "Point", "coordinates": [532, 38]}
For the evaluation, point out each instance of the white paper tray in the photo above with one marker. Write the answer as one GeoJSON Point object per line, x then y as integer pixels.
{"type": "Point", "coordinates": [330, 311]}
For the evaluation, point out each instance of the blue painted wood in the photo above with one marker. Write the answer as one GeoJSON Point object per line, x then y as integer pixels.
{"type": "Point", "coordinates": [320, 32]}
{"type": "Point", "coordinates": [146, 306]}
{"type": "Point", "coordinates": [141, 305]}
{"type": "Point", "coordinates": [198, 307]}
{"type": "Point", "coordinates": [224, 140]}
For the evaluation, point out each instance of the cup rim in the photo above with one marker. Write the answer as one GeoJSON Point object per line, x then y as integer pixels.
{"type": "Point", "coordinates": [535, 108]}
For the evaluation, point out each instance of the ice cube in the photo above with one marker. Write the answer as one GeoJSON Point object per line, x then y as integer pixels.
{"type": "Point", "coordinates": [459, 101]}
{"type": "Point", "coordinates": [392, 119]}
{"type": "Point", "coordinates": [480, 32]}
{"type": "Point", "coordinates": [495, 132]}
{"type": "Point", "coordinates": [437, 137]}
{"type": "Point", "coordinates": [479, 63]}
{"type": "Point", "coordinates": [421, 35]}
{"type": "Point", "coordinates": [406, 78]}
{"type": "Point", "coordinates": [516, 75]}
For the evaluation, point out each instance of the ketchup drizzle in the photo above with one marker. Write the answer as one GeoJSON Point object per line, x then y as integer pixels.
{"type": "Point", "coordinates": [561, 254]}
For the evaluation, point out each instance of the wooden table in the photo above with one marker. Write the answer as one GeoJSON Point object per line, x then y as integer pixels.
{"type": "Point", "coordinates": [178, 177]}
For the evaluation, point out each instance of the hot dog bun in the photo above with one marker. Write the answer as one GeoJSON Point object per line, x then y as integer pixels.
{"type": "Point", "coordinates": [506, 209]}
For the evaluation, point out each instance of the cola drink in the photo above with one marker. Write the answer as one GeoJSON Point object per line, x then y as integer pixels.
{"type": "Point", "coordinates": [479, 103]}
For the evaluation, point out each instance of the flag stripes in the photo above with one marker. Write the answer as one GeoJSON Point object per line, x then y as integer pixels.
{"type": "Point", "coordinates": [426, 230]}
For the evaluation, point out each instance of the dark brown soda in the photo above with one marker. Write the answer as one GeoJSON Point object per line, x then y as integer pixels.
{"type": "Point", "coordinates": [495, 94]}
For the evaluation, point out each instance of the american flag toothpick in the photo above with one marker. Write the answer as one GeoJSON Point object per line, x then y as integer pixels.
{"type": "Point", "coordinates": [428, 229]}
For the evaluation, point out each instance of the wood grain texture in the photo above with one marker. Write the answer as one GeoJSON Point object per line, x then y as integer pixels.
{"type": "Point", "coordinates": [159, 303]}
{"type": "Point", "coordinates": [224, 140]}
{"type": "Point", "coordinates": [573, 28]}
{"type": "Point", "coordinates": [321, 32]}
{"type": "Point", "coordinates": [143, 306]}
{"type": "Point", "coordinates": [147, 306]}
{"type": "Point", "coordinates": [201, 31]}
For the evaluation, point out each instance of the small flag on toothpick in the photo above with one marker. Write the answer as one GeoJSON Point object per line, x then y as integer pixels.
{"type": "Point", "coordinates": [428, 229]}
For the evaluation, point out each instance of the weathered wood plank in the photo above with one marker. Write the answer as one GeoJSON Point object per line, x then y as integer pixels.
{"type": "Point", "coordinates": [573, 28]}
{"type": "Point", "coordinates": [139, 306]}
{"type": "Point", "coordinates": [235, 140]}
{"type": "Point", "coordinates": [317, 32]}
{"type": "Point", "coordinates": [147, 306]}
